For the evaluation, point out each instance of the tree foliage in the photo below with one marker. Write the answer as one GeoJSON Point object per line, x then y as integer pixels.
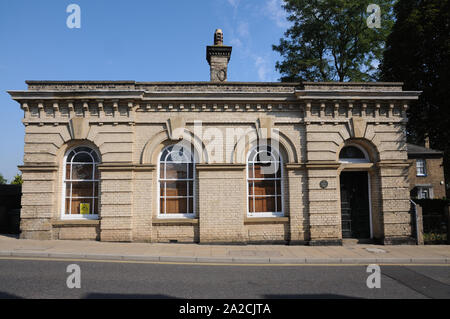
{"type": "Point", "coordinates": [2, 180]}
{"type": "Point", "coordinates": [329, 40]}
{"type": "Point", "coordinates": [17, 180]}
{"type": "Point", "coordinates": [418, 54]}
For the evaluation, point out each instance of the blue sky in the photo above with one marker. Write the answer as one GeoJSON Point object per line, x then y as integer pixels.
{"type": "Point", "coordinates": [141, 40]}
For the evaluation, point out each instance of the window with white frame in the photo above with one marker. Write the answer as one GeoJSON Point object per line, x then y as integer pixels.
{"type": "Point", "coordinates": [421, 167]}
{"type": "Point", "coordinates": [265, 182]}
{"type": "Point", "coordinates": [176, 182]}
{"type": "Point", "coordinates": [353, 154]}
{"type": "Point", "coordinates": [424, 192]}
{"type": "Point", "coordinates": [80, 183]}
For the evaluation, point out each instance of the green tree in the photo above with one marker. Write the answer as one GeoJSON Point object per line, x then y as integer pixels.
{"type": "Point", "coordinates": [17, 180]}
{"type": "Point", "coordinates": [2, 180]}
{"type": "Point", "coordinates": [418, 54]}
{"type": "Point", "coordinates": [329, 40]}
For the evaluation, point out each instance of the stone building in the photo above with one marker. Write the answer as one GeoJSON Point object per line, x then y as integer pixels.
{"type": "Point", "coordinates": [215, 162]}
{"type": "Point", "coordinates": [426, 173]}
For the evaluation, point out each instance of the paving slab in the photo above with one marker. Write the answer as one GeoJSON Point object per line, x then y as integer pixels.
{"type": "Point", "coordinates": [252, 254]}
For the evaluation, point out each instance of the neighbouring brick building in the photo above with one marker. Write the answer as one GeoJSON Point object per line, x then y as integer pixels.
{"type": "Point", "coordinates": [426, 173]}
{"type": "Point", "coordinates": [215, 162]}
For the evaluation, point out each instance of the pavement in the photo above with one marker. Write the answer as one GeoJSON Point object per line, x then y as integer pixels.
{"type": "Point", "coordinates": [225, 254]}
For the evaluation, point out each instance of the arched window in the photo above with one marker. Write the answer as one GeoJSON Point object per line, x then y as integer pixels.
{"type": "Point", "coordinates": [265, 182]}
{"type": "Point", "coordinates": [176, 182]}
{"type": "Point", "coordinates": [80, 183]}
{"type": "Point", "coordinates": [353, 154]}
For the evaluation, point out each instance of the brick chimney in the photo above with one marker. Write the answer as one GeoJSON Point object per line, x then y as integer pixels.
{"type": "Point", "coordinates": [427, 141]}
{"type": "Point", "coordinates": [218, 56]}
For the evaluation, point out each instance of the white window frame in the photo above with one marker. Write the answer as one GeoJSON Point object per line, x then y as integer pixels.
{"type": "Point", "coordinates": [280, 163]}
{"type": "Point", "coordinates": [65, 216]}
{"type": "Point", "coordinates": [366, 158]}
{"type": "Point", "coordinates": [421, 188]}
{"type": "Point", "coordinates": [192, 215]}
{"type": "Point", "coordinates": [423, 167]}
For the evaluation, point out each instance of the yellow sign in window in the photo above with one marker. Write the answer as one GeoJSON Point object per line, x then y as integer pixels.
{"type": "Point", "coordinates": [84, 209]}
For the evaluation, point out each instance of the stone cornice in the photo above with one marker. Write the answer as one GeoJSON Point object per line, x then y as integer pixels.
{"type": "Point", "coordinates": [38, 168]}
{"type": "Point", "coordinates": [218, 50]}
{"type": "Point", "coordinates": [357, 95]}
{"type": "Point", "coordinates": [393, 163]}
{"type": "Point", "coordinates": [322, 165]}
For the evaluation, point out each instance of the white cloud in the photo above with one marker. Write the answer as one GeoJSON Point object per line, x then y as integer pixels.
{"type": "Point", "coordinates": [234, 3]}
{"type": "Point", "coordinates": [274, 10]}
{"type": "Point", "coordinates": [236, 42]}
{"type": "Point", "coordinates": [262, 67]}
{"type": "Point", "coordinates": [243, 29]}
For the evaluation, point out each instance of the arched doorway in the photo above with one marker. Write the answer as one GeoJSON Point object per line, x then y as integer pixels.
{"type": "Point", "coordinates": [356, 215]}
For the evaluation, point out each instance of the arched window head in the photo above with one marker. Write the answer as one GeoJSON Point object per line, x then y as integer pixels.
{"type": "Point", "coordinates": [265, 182]}
{"type": "Point", "coordinates": [353, 154]}
{"type": "Point", "coordinates": [80, 183]}
{"type": "Point", "coordinates": [176, 182]}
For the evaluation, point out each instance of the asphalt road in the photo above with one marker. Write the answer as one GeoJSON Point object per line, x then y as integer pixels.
{"type": "Point", "coordinates": [47, 279]}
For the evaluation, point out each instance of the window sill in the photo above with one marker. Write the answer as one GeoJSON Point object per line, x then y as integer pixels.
{"type": "Point", "coordinates": [175, 221]}
{"type": "Point", "coordinates": [266, 220]}
{"type": "Point", "coordinates": [76, 223]}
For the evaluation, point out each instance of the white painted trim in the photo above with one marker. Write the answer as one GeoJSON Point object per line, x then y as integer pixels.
{"type": "Point", "coordinates": [265, 214]}
{"type": "Point", "coordinates": [63, 214]}
{"type": "Point", "coordinates": [192, 215]}
{"type": "Point", "coordinates": [355, 160]}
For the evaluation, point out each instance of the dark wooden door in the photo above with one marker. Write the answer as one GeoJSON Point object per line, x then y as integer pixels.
{"type": "Point", "coordinates": [355, 205]}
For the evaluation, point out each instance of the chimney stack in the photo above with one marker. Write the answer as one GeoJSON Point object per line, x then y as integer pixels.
{"type": "Point", "coordinates": [427, 141]}
{"type": "Point", "coordinates": [218, 56]}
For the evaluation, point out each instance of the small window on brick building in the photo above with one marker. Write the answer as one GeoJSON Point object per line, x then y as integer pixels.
{"type": "Point", "coordinates": [176, 179]}
{"type": "Point", "coordinates": [81, 183]}
{"type": "Point", "coordinates": [421, 167]}
{"type": "Point", "coordinates": [265, 182]}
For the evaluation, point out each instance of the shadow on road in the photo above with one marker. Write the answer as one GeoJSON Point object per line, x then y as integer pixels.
{"type": "Point", "coordinates": [125, 296]}
{"type": "Point", "coordinates": [316, 296]}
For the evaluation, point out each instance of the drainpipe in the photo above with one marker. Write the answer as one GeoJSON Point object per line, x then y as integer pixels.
{"type": "Point", "coordinates": [419, 225]}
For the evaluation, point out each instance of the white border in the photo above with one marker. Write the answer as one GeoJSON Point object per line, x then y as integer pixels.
{"type": "Point", "coordinates": [192, 215]}
{"type": "Point", "coordinates": [265, 214]}
{"type": "Point", "coordinates": [354, 160]}
{"type": "Point", "coordinates": [63, 215]}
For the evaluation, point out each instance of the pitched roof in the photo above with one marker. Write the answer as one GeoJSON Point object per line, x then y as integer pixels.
{"type": "Point", "coordinates": [420, 150]}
